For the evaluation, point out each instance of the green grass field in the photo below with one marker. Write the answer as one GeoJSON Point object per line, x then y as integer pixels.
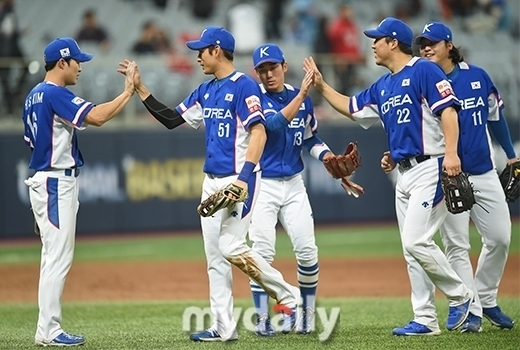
{"type": "Point", "coordinates": [365, 323]}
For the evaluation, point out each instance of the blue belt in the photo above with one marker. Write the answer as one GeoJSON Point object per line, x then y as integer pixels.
{"type": "Point", "coordinates": [410, 162]}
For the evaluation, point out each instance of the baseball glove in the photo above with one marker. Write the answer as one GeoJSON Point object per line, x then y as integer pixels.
{"type": "Point", "coordinates": [340, 166]}
{"type": "Point", "coordinates": [458, 192]}
{"type": "Point", "coordinates": [224, 198]}
{"type": "Point", "coordinates": [510, 180]}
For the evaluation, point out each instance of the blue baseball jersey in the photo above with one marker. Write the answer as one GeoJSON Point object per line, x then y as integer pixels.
{"type": "Point", "coordinates": [408, 104]}
{"type": "Point", "coordinates": [51, 116]}
{"type": "Point", "coordinates": [480, 103]}
{"type": "Point", "coordinates": [227, 107]}
{"type": "Point", "coordinates": [283, 148]}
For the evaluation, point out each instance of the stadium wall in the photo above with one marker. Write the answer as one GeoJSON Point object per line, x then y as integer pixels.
{"type": "Point", "coordinates": [146, 181]}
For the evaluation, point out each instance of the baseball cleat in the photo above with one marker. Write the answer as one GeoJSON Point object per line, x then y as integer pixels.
{"type": "Point", "coordinates": [64, 339]}
{"type": "Point", "coordinates": [458, 314]}
{"type": "Point", "coordinates": [263, 327]}
{"type": "Point", "coordinates": [289, 317]}
{"type": "Point", "coordinates": [305, 324]}
{"type": "Point", "coordinates": [414, 328]}
{"type": "Point", "coordinates": [208, 335]}
{"type": "Point", "coordinates": [473, 324]}
{"type": "Point", "coordinates": [497, 317]}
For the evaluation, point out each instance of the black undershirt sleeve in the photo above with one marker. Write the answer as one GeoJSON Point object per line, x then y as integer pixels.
{"type": "Point", "coordinates": [168, 117]}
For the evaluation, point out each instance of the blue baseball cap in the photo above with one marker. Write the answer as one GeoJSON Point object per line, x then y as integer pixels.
{"type": "Point", "coordinates": [267, 53]}
{"type": "Point", "coordinates": [213, 36]}
{"type": "Point", "coordinates": [65, 48]}
{"type": "Point", "coordinates": [393, 28]}
{"type": "Point", "coordinates": [435, 31]}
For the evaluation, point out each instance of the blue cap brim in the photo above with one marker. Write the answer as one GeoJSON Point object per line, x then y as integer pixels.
{"type": "Point", "coordinates": [271, 60]}
{"type": "Point", "coordinates": [374, 33]}
{"type": "Point", "coordinates": [426, 36]}
{"type": "Point", "coordinates": [197, 45]}
{"type": "Point", "coordinates": [84, 57]}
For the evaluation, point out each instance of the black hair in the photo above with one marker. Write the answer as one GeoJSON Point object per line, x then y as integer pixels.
{"type": "Point", "coordinates": [455, 55]}
{"type": "Point", "coordinates": [227, 54]}
{"type": "Point", "coordinates": [50, 65]}
{"type": "Point", "coordinates": [402, 46]}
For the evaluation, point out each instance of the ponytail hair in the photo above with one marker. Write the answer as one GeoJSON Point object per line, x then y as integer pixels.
{"type": "Point", "coordinates": [455, 55]}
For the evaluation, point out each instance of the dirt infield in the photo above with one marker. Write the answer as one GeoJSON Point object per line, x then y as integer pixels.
{"type": "Point", "coordinates": [183, 280]}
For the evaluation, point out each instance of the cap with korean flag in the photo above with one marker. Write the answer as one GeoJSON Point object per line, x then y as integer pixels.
{"type": "Point", "coordinates": [213, 36]}
{"type": "Point", "coordinates": [65, 48]}
{"type": "Point", "coordinates": [435, 31]}
{"type": "Point", "coordinates": [393, 28]}
{"type": "Point", "coordinates": [267, 53]}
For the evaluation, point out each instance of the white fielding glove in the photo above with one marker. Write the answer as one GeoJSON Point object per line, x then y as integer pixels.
{"type": "Point", "coordinates": [352, 188]}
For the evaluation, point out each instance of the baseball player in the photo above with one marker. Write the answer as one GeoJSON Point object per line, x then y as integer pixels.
{"type": "Point", "coordinates": [482, 109]}
{"type": "Point", "coordinates": [290, 125]}
{"type": "Point", "coordinates": [229, 107]}
{"type": "Point", "coordinates": [51, 115]}
{"type": "Point", "coordinates": [418, 110]}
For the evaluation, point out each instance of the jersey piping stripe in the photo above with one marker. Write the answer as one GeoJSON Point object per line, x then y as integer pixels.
{"type": "Point", "coordinates": [52, 202]}
{"type": "Point", "coordinates": [439, 194]}
{"type": "Point", "coordinates": [236, 76]}
{"type": "Point", "coordinates": [251, 116]}
{"type": "Point", "coordinates": [80, 112]}
{"type": "Point", "coordinates": [443, 101]}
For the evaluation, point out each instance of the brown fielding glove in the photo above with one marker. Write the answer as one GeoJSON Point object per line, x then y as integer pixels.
{"type": "Point", "coordinates": [510, 181]}
{"type": "Point", "coordinates": [224, 198]}
{"type": "Point", "coordinates": [340, 166]}
{"type": "Point", "coordinates": [458, 192]}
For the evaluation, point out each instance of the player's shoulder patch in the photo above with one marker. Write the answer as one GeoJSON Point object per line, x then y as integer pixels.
{"type": "Point", "coordinates": [253, 103]}
{"type": "Point", "coordinates": [77, 100]}
{"type": "Point", "coordinates": [444, 88]}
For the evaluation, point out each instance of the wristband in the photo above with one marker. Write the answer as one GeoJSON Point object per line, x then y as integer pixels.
{"type": "Point", "coordinates": [246, 171]}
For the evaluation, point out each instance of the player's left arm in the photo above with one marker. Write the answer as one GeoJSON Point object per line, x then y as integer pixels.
{"type": "Point", "coordinates": [317, 148]}
{"type": "Point", "coordinates": [500, 131]}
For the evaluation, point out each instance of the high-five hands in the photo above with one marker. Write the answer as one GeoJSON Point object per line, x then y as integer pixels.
{"type": "Point", "coordinates": [307, 82]}
{"type": "Point", "coordinates": [131, 71]}
{"type": "Point", "coordinates": [310, 66]}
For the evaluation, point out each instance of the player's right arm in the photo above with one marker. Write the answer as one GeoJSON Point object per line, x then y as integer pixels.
{"type": "Point", "coordinates": [102, 113]}
{"type": "Point", "coordinates": [450, 129]}
{"type": "Point", "coordinates": [281, 119]}
{"type": "Point", "coordinates": [167, 116]}
{"type": "Point", "coordinates": [338, 101]}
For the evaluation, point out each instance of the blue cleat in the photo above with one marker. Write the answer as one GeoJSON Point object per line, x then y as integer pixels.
{"type": "Point", "coordinates": [263, 327]}
{"type": "Point", "coordinates": [458, 314]}
{"type": "Point", "coordinates": [473, 324]}
{"type": "Point", "coordinates": [64, 339]}
{"type": "Point", "coordinates": [414, 328]}
{"type": "Point", "coordinates": [209, 335]}
{"type": "Point", "coordinates": [497, 317]}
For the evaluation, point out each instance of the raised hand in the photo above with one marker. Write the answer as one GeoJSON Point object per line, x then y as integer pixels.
{"type": "Point", "coordinates": [307, 82]}
{"type": "Point", "coordinates": [129, 72]}
{"type": "Point", "coordinates": [310, 66]}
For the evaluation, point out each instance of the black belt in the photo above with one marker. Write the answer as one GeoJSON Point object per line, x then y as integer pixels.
{"type": "Point", "coordinates": [72, 172]}
{"type": "Point", "coordinates": [410, 162]}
